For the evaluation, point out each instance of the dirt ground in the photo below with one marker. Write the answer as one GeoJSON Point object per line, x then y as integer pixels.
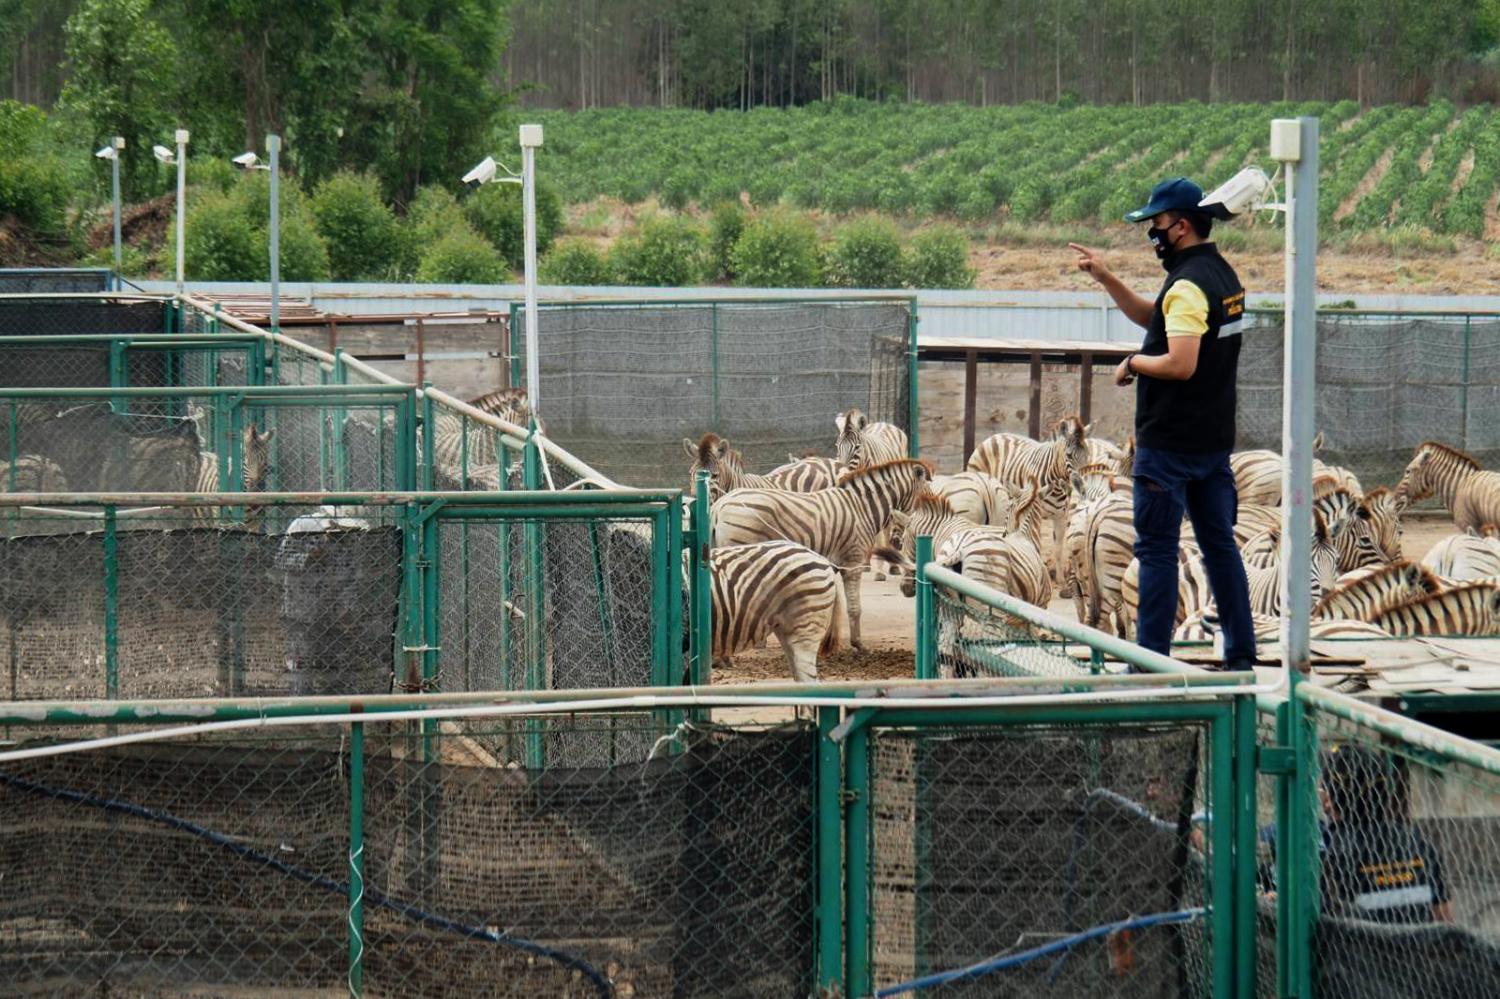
{"type": "Point", "coordinates": [889, 625]}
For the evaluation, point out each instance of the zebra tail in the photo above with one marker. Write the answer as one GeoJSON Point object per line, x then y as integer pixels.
{"type": "Point", "coordinates": [895, 558]}
{"type": "Point", "coordinates": [838, 629]}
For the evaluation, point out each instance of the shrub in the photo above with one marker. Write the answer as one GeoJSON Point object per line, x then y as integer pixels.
{"type": "Point", "coordinates": [304, 253]}
{"type": "Point", "coordinates": [361, 231]}
{"type": "Point", "coordinates": [463, 257]}
{"type": "Point", "coordinates": [574, 262]}
{"type": "Point", "coordinates": [940, 259]}
{"type": "Point", "coordinates": [433, 214]}
{"type": "Point", "coordinates": [724, 229]}
{"type": "Point", "coordinates": [666, 250]}
{"type": "Point", "coordinates": [495, 212]}
{"type": "Point", "coordinates": [778, 250]}
{"type": "Point", "coordinates": [35, 192]}
{"type": "Point", "coordinates": [867, 254]}
{"type": "Point", "coordinates": [209, 172]}
{"type": "Point", "coordinates": [221, 243]}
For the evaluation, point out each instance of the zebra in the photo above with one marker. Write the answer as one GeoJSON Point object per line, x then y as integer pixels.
{"type": "Point", "coordinates": [1385, 520]}
{"type": "Point", "coordinates": [1091, 484]}
{"type": "Point", "coordinates": [1471, 494]}
{"type": "Point", "coordinates": [778, 588]}
{"type": "Point", "coordinates": [1257, 477]}
{"type": "Point", "coordinates": [255, 454]}
{"type": "Point", "coordinates": [726, 467]}
{"type": "Point", "coordinates": [32, 473]}
{"type": "Point", "coordinates": [1202, 625]}
{"type": "Point", "coordinates": [1463, 557]}
{"type": "Point", "coordinates": [841, 524]}
{"type": "Point", "coordinates": [1003, 559]}
{"type": "Point", "coordinates": [975, 496]}
{"type": "Point", "coordinates": [1015, 460]}
{"type": "Point", "coordinates": [1468, 609]}
{"type": "Point", "coordinates": [508, 404]}
{"type": "Point", "coordinates": [860, 442]}
{"type": "Point", "coordinates": [1364, 594]}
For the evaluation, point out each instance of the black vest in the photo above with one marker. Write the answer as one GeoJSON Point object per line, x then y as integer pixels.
{"type": "Point", "coordinates": [1195, 416]}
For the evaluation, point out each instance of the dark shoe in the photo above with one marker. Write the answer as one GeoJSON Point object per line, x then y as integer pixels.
{"type": "Point", "coordinates": [1240, 665]}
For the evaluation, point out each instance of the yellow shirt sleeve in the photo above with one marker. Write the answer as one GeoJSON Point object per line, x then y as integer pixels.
{"type": "Point", "coordinates": [1186, 310]}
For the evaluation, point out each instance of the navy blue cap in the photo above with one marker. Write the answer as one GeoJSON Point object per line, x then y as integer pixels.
{"type": "Point", "coordinates": [1176, 195]}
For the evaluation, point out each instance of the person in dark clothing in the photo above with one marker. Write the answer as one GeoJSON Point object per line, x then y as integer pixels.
{"type": "Point", "coordinates": [1375, 865]}
{"type": "Point", "coordinates": [1185, 415]}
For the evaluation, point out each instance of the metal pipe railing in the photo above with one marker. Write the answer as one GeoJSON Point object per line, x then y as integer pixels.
{"type": "Point", "coordinates": [1407, 731]}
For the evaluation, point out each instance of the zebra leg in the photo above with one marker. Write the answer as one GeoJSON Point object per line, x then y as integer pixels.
{"type": "Point", "coordinates": [800, 646]}
{"type": "Point", "coordinates": [851, 592]}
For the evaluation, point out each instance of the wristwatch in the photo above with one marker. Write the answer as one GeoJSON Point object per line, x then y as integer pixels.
{"type": "Point", "coordinates": [1129, 371]}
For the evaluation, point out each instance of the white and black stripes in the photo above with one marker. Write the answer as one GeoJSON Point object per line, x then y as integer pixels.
{"type": "Point", "coordinates": [778, 588]}
{"type": "Point", "coordinates": [1368, 593]}
{"type": "Point", "coordinates": [1469, 609]}
{"type": "Point", "coordinates": [860, 442]}
{"type": "Point", "coordinates": [726, 468]}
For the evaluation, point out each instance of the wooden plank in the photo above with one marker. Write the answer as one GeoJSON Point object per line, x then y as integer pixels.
{"type": "Point", "coordinates": [971, 394]}
{"type": "Point", "coordinates": [421, 353]}
{"type": "Point", "coordinates": [1085, 386]}
{"type": "Point", "coordinates": [1034, 410]}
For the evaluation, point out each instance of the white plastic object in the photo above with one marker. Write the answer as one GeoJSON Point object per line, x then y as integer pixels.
{"type": "Point", "coordinates": [1286, 140]}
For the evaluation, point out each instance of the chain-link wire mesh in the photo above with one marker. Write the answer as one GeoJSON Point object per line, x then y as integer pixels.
{"type": "Point", "coordinates": [190, 602]}
{"type": "Point", "coordinates": [621, 386]}
{"type": "Point", "coordinates": [1385, 385]}
{"type": "Point", "coordinates": [974, 639]}
{"type": "Point", "coordinates": [240, 867]}
{"type": "Point", "coordinates": [41, 280]}
{"type": "Point", "coordinates": [1408, 856]}
{"type": "Point", "coordinates": [990, 843]}
{"type": "Point", "coordinates": [69, 316]}
{"type": "Point", "coordinates": [90, 364]}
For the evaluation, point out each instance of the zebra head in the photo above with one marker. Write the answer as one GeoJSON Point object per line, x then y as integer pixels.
{"type": "Point", "coordinates": [1324, 558]}
{"type": "Point", "coordinates": [847, 445]}
{"type": "Point", "coordinates": [1431, 466]}
{"type": "Point", "coordinates": [1074, 436]}
{"type": "Point", "coordinates": [712, 454]}
{"type": "Point", "coordinates": [929, 512]}
{"type": "Point", "coordinates": [257, 458]}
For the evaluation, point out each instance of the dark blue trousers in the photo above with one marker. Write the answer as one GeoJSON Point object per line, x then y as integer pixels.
{"type": "Point", "coordinates": [1168, 483]}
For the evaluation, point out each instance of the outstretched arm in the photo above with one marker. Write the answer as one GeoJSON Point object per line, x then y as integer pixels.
{"type": "Point", "coordinates": [1136, 308]}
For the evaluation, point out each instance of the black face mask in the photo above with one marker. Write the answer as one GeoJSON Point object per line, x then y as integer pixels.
{"type": "Point", "coordinates": [1159, 242]}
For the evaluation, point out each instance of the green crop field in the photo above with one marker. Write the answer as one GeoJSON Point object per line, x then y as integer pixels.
{"type": "Point", "coordinates": [1431, 166]}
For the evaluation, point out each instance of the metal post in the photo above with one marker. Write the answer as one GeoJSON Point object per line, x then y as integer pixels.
{"type": "Point", "coordinates": [356, 859]}
{"type": "Point", "coordinates": [1222, 833]}
{"type": "Point", "coordinates": [1246, 839]}
{"type": "Point", "coordinates": [926, 631]}
{"type": "Point", "coordinates": [913, 411]}
{"type": "Point", "coordinates": [830, 857]}
{"type": "Point", "coordinates": [1299, 379]}
{"type": "Point", "coordinates": [114, 184]}
{"type": "Point", "coordinates": [703, 610]}
{"type": "Point", "coordinates": [273, 149]}
{"type": "Point", "coordinates": [111, 607]}
{"type": "Point", "coordinates": [1463, 389]}
{"type": "Point", "coordinates": [713, 388]}
{"type": "Point", "coordinates": [536, 667]}
{"type": "Point", "coordinates": [531, 138]}
{"type": "Point", "coordinates": [857, 847]}
{"type": "Point", "coordinates": [182, 141]}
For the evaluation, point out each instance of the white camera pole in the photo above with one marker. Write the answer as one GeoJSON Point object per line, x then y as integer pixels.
{"type": "Point", "coordinates": [182, 141]}
{"type": "Point", "coordinates": [1295, 143]}
{"type": "Point", "coordinates": [531, 140]}
{"type": "Point", "coordinates": [114, 183]}
{"type": "Point", "coordinates": [273, 149]}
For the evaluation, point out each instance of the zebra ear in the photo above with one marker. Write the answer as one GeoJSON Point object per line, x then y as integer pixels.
{"type": "Point", "coordinates": [861, 421]}
{"type": "Point", "coordinates": [690, 447]}
{"type": "Point", "coordinates": [1088, 429]}
{"type": "Point", "coordinates": [838, 421]}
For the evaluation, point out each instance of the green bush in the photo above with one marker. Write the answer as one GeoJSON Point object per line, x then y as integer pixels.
{"type": "Point", "coordinates": [867, 254]}
{"type": "Point", "coordinates": [575, 261]}
{"type": "Point", "coordinates": [495, 212]}
{"type": "Point", "coordinates": [209, 172]}
{"type": "Point", "coordinates": [724, 228]}
{"type": "Point", "coordinates": [221, 243]}
{"type": "Point", "coordinates": [433, 214]}
{"type": "Point", "coordinates": [361, 231]}
{"type": "Point", "coordinates": [778, 250]}
{"type": "Point", "coordinates": [304, 253]}
{"type": "Point", "coordinates": [35, 193]}
{"type": "Point", "coordinates": [463, 257]}
{"type": "Point", "coordinates": [665, 250]}
{"type": "Point", "coordinates": [939, 258]}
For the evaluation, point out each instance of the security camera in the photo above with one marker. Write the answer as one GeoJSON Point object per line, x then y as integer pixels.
{"type": "Point", "coordinates": [481, 174]}
{"type": "Point", "coordinates": [245, 160]}
{"type": "Point", "coordinates": [107, 153]}
{"type": "Point", "coordinates": [164, 154]}
{"type": "Point", "coordinates": [1245, 191]}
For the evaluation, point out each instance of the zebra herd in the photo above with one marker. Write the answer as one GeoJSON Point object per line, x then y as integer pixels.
{"type": "Point", "coordinates": [820, 521]}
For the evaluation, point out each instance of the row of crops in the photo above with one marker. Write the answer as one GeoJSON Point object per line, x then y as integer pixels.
{"type": "Point", "coordinates": [1431, 166]}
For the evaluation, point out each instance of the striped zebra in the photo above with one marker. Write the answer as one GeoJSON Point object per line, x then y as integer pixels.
{"type": "Point", "coordinates": [1108, 548]}
{"type": "Point", "coordinates": [860, 442]}
{"type": "Point", "coordinates": [1203, 624]}
{"type": "Point", "coordinates": [1468, 609]}
{"type": "Point", "coordinates": [1363, 594]}
{"type": "Point", "coordinates": [1005, 560]}
{"type": "Point", "coordinates": [256, 456]}
{"type": "Point", "coordinates": [1463, 557]}
{"type": "Point", "coordinates": [32, 473]}
{"type": "Point", "coordinates": [1471, 494]}
{"type": "Point", "coordinates": [1385, 520]}
{"type": "Point", "coordinates": [726, 467]}
{"type": "Point", "coordinates": [975, 496]}
{"type": "Point", "coordinates": [1016, 460]}
{"type": "Point", "coordinates": [1103, 452]}
{"type": "Point", "coordinates": [1090, 484]}
{"type": "Point", "coordinates": [778, 588]}
{"type": "Point", "coordinates": [508, 404]}
{"type": "Point", "coordinates": [1193, 591]}
{"type": "Point", "coordinates": [842, 524]}
{"type": "Point", "coordinates": [1253, 520]}
{"type": "Point", "coordinates": [1257, 477]}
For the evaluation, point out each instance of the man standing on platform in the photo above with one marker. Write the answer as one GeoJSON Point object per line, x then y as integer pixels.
{"type": "Point", "coordinates": [1184, 417]}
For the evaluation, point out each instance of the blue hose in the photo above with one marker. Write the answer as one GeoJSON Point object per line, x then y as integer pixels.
{"type": "Point", "coordinates": [1008, 961]}
{"type": "Point", "coordinates": [316, 880]}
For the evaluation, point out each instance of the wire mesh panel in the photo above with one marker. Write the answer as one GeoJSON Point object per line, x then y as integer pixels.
{"type": "Point", "coordinates": [40, 280]}
{"type": "Point", "coordinates": [168, 603]}
{"type": "Point", "coordinates": [1408, 879]}
{"type": "Point", "coordinates": [158, 361]}
{"type": "Point", "coordinates": [1385, 385]}
{"type": "Point", "coordinates": [1047, 861]}
{"type": "Point", "coordinates": [68, 316]}
{"type": "Point", "coordinates": [622, 385]}
{"type": "Point", "coordinates": [407, 864]}
{"type": "Point", "coordinates": [974, 639]}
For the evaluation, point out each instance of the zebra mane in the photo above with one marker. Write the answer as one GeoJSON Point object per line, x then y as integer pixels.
{"type": "Point", "coordinates": [1450, 451]}
{"type": "Point", "coordinates": [936, 502]}
{"type": "Point", "coordinates": [1378, 492]}
{"type": "Point", "coordinates": [707, 445]}
{"type": "Point", "coordinates": [864, 471]}
{"type": "Point", "coordinates": [1457, 590]}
